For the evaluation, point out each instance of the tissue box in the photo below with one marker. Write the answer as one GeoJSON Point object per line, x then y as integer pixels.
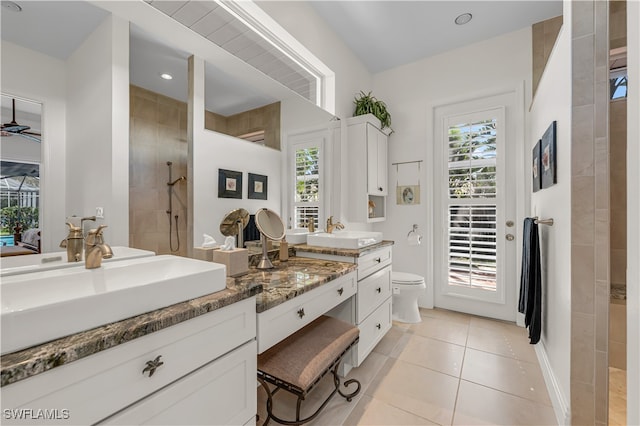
{"type": "Point", "coordinates": [204, 253]}
{"type": "Point", "coordinates": [236, 261]}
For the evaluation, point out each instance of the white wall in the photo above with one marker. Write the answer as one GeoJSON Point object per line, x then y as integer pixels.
{"type": "Point", "coordinates": [553, 102]}
{"type": "Point", "coordinates": [98, 128]}
{"type": "Point", "coordinates": [633, 208]}
{"type": "Point", "coordinates": [42, 78]}
{"type": "Point", "coordinates": [412, 92]}
{"type": "Point", "coordinates": [213, 151]}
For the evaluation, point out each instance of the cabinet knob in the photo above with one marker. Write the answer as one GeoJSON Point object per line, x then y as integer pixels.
{"type": "Point", "coordinates": [378, 326]}
{"type": "Point", "coordinates": [378, 260]}
{"type": "Point", "coordinates": [301, 312]}
{"type": "Point", "coordinates": [380, 188]}
{"type": "Point", "coordinates": [340, 290]}
{"type": "Point", "coordinates": [379, 290]}
{"type": "Point", "coordinates": [153, 365]}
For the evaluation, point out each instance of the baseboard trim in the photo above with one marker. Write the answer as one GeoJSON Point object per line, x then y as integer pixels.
{"type": "Point", "coordinates": [558, 400]}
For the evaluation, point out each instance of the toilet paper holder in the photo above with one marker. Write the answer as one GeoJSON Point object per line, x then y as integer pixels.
{"type": "Point", "coordinates": [413, 237]}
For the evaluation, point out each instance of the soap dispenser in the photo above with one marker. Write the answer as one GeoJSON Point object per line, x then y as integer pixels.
{"type": "Point", "coordinates": [73, 243]}
{"type": "Point", "coordinates": [284, 250]}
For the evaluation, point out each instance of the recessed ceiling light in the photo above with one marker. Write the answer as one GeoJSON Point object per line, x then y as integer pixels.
{"type": "Point", "coordinates": [166, 76]}
{"type": "Point", "coordinates": [9, 5]}
{"type": "Point", "coordinates": [463, 19]}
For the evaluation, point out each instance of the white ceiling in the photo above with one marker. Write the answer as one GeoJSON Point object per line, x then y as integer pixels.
{"type": "Point", "coordinates": [386, 34]}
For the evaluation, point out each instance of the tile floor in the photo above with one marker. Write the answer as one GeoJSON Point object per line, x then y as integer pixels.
{"type": "Point", "coordinates": [451, 369]}
{"type": "Point", "coordinates": [617, 396]}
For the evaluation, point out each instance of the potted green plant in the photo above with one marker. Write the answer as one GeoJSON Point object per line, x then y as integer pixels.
{"type": "Point", "coordinates": [368, 104]}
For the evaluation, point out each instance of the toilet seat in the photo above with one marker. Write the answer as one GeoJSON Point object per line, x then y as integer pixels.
{"type": "Point", "coordinates": [406, 278]}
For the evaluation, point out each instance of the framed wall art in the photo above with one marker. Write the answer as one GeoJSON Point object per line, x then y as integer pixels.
{"type": "Point", "coordinates": [229, 184]}
{"type": "Point", "coordinates": [535, 167]}
{"type": "Point", "coordinates": [257, 187]}
{"type": "Point", "coordinates": [548, 157]}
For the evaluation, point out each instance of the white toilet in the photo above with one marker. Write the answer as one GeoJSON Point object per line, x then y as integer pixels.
{"type": "Point", "coordinates": [406, 288]}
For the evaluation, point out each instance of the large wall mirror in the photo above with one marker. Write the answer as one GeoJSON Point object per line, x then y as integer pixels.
{"type": "Point", "coordinates": [20, 158]}
{"type": "Point", "coordinates": [241, 103]}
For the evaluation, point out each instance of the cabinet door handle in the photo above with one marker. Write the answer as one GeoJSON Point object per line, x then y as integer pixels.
{"type": "Point", "coordinates": [379, 290]}
{"type": "Point", "coordinates": [378, 260]}
{"type": "Point", "coordinates": [153, 365]}
{"type": "Point", "coordinates": [378, 326]}
{"type": "Point", "coordinates": [301, 312]}
{"type": "Point", "coordinates": [380, 188]}
{"type": "Point", "coordinates": [340, 290]}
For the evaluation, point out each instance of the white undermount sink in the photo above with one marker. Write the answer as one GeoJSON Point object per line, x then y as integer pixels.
{"type": "Point", "coordinates": [13, 265]}
{"type": "Point", "coordinates": [344, 239]}
{"type": "Point", "coordinates": [42, 306]}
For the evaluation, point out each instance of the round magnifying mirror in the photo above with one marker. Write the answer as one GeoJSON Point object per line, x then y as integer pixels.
{"type": "Point", "coordinates": [234, 223]}
{"type": "Point", "coordinates": [270, 226]}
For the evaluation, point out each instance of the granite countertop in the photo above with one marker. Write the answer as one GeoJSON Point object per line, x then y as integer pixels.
{"type": "Point", "coordinates": [272, 287]}
{"type": "Point", "coordinates": [290, 279]}
{"type": "Point", "coordinates": [38, 359]}
{"type": "Point", "coordinates": [342, 252]}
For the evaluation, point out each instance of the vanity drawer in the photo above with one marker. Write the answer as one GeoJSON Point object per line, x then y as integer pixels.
{"type": "Point", "coordinates": [97, 386]}
{"type": "Point", "coordinates": [372, 330]}
{"type": "Point", "coordinates": [281, 321]}
{"type": "Point", "coordinates": [372, 291]}
{"type": "Point", "coordinates": [370, 263]}
{"type": "Point", "coordinates": [222, 392]}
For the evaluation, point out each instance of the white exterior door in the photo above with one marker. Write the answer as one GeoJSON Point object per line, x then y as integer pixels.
{"type": "Point", "coordinates": [475, 184]}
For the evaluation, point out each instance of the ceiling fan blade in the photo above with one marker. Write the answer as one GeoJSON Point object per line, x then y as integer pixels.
{"type": "Point", "coordinates": [15, 128]}
{"type": "Point", "coordinates": [30, 137]}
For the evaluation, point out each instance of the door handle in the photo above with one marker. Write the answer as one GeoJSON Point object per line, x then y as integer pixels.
{"type": "Point", "coordinates": [510, 237]}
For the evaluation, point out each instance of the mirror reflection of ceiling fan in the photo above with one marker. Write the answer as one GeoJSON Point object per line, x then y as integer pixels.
{"type": "Point", "coordinates": [13, 128]}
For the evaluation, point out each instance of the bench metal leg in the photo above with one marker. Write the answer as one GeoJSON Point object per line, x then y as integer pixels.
{"type": "Point", "coordinates": [301, 397]}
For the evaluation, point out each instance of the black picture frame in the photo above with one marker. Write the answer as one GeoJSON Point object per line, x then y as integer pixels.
{"type": "Point", "coordinates": [229, 184]}
{"type": "Point", "coordinates": [257, 187]}
{"type": "Point", "coordinates": [548, 157]}
{"type": "Point", "coordinates": [535, 167]}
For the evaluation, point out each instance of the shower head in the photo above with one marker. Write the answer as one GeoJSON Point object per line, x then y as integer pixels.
{"type": "Point", "coordinates": [176, 181]}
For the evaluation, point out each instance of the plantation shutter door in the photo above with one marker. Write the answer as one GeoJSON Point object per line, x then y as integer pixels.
{"type": "Point", "coordinates": [473, 198]}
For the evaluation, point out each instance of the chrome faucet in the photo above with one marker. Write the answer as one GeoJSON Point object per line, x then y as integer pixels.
{"type": "Point", "coordinates": [95, 249]}
{"type": "Point", "coordinates": [331, 226]}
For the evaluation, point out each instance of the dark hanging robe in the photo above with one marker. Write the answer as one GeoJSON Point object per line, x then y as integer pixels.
{"type": "Point", "coordinates": [530, 303]}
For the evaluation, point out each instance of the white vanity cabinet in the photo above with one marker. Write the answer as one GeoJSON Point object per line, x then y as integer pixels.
{"type": "Point", "coordinates": [367, 159]}
{"type": "Point", "coordinates": [370, 309]}
{"type": "Point", "coordinates": [207, 377]}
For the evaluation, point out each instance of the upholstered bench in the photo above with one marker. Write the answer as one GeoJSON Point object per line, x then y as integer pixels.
{"type": "Point", "coordinates": [297, 363]}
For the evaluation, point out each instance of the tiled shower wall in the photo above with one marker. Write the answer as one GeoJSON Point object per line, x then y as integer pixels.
{"type": "Point", "coordinates": [158, 133]}
{"type": "Point", "coordinates": [590, 268]}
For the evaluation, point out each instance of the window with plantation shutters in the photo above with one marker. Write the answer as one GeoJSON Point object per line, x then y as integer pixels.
{"type": "Point", "coordinates": [308, 184]}
{"type": "Point", "coordinates": [472, 210]}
